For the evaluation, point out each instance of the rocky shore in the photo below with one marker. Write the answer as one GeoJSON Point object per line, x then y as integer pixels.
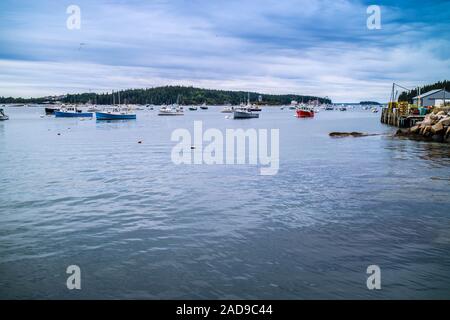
{"type": "Point", "coordinates": [434, 127]}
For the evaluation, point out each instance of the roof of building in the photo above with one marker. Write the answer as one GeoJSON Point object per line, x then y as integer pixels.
{"type": "Point", "coordinates": [426, 94]}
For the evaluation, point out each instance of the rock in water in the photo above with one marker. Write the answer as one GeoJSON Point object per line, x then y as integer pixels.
{"type": "Point", "coordinates": [351, 134]}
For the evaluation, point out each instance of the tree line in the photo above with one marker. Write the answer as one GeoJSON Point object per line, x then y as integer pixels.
{"type": "Point", "coordinates": [173, 94]}
{"type": "Point", "coordinates": [408, 96]}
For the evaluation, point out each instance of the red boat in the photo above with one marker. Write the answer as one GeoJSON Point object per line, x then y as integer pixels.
{"type": "Point", "coordinates": [304, 112]}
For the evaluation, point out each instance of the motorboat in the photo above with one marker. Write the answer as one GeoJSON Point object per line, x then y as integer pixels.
{"type": "Point", "coordinates": [116, 113]}
{"type": "Point", "coordinates": [227, 109]}
{"type": "Point", "coordinates": [204, 107]}
{"type": "Point", "coordinates": [244, 113]}
{"type": "Point", "coordinates": [72, 112]}
{"type": "Point", "coordinates": [255, 108]}
{"type": "Point", "coordinates": [3, 116]}
{"type": "Point", "coordinates": [170, 111]}
{"type": "Point", "coordinates": [304, 112]}
{"type": "Point", "coordinates": [193, 108]}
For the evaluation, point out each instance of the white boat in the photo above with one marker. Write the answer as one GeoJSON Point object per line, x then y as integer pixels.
{"type": "Point", "coordinates": [93, 108]}
{"type": "Point", "coordinates": [170, 111]}
{"type": "Point", "coordinates": [227, 109]}
{"type": "Point", "coordinates": [374, 110]}
{"type": "Point", "coordinates": [193, 108]}
{"type": "Point", "coordinates": [204, 106]}
{"type": "Point", "coordinates": [3, 116]}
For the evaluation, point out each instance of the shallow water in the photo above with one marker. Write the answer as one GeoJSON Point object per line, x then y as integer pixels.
{"type": "Point", "coordinates": [140, 226]}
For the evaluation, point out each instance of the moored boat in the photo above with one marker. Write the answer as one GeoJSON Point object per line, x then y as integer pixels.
{"type": "Point", "coordinates": [193, 108]}
{"type": "Point", "coordinates": [72, 112]}
{"type": "Point", "coordinates": [116, 113]}
{"type": "Point", "coordinates": [255, 108]}
{"type": "Point", "coordinates": [3, 116]}
{"type": "Point", "coordinates": [244, 113]}
{"type": "Point", "coordinates": [304, 112]}
{"type": "Point", "coordinates": [227, 109]}
{"type": "Point", "coordinates": [204, 107]}
{"type": "Point", "coordinates": [170, 111]}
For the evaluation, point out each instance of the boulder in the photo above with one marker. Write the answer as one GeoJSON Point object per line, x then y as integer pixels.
{"type": "Point", "coordinates": [445, 121]}
{"type": "Point", "coordinates": [414, 129]}
{"type": "Point", "coordinates": [438, 127]}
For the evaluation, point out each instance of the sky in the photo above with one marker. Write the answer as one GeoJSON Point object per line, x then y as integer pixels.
{"type": "Point", "coordinates": [319, 47]}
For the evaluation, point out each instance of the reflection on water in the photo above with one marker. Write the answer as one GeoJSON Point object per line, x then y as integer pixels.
{"type": "Point", "coordinates": [142, 227]}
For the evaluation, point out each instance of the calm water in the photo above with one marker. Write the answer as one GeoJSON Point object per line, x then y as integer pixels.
{"type": "Point", "coordinates": [141, 227]}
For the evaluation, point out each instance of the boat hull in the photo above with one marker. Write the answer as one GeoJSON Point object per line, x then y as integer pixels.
{"type": "Point", "coordinates": [62, 114]}
{"type": "Point", "coordinates": [109, 116]}
{"type": "Point", "coordinates": [3, 118]}
{"type": "Point", "coordinates": [304, 114]}
{"type": "Point", "coordinates": [244, 115]}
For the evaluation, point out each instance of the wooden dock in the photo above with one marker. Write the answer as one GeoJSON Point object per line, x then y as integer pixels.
{"type": "Point", "coordinates": [393, 117]}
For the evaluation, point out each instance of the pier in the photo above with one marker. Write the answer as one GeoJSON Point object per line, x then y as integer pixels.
{"type": "Point", "coordinates": [399, 115]}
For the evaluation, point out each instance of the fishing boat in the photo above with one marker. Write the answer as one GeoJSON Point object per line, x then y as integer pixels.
{"type": "Point", "coordinates": [304, 112]}
{"type": "Point", "coordinates": [116, 113]}
{"type": "Point", "coordinates": [3, 116]}
{"type": "Point", "coordinates": [244, 113]}
{"type": "Point", "coordinates": [227, 109]}
{"type": "Point", "coordinates": [72, 112]}
{"type": "Point", "coordinates": [193, 108]}
{"type": "Point", "coordinates": [204, 106]}
{"type": "Point", "coordinates": [170, 111]}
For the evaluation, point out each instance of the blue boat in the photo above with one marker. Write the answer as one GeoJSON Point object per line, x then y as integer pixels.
{"type": "Point", "coordinates": [116, 113]}
{"type": "Point", "coordinates": [72, 112]}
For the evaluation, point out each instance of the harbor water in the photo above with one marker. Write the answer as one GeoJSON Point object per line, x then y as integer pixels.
{"type": "Point", "coordinates": [86, 193]}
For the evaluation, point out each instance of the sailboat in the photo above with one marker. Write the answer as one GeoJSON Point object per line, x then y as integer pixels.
{"type": "Point", "coordinates": [3, 116]}
{"type": "Point", "coordinates": [116, 113]}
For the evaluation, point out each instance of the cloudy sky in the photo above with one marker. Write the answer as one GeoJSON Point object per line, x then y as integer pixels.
{"type": "Point", "coordinates": [316, 47]}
